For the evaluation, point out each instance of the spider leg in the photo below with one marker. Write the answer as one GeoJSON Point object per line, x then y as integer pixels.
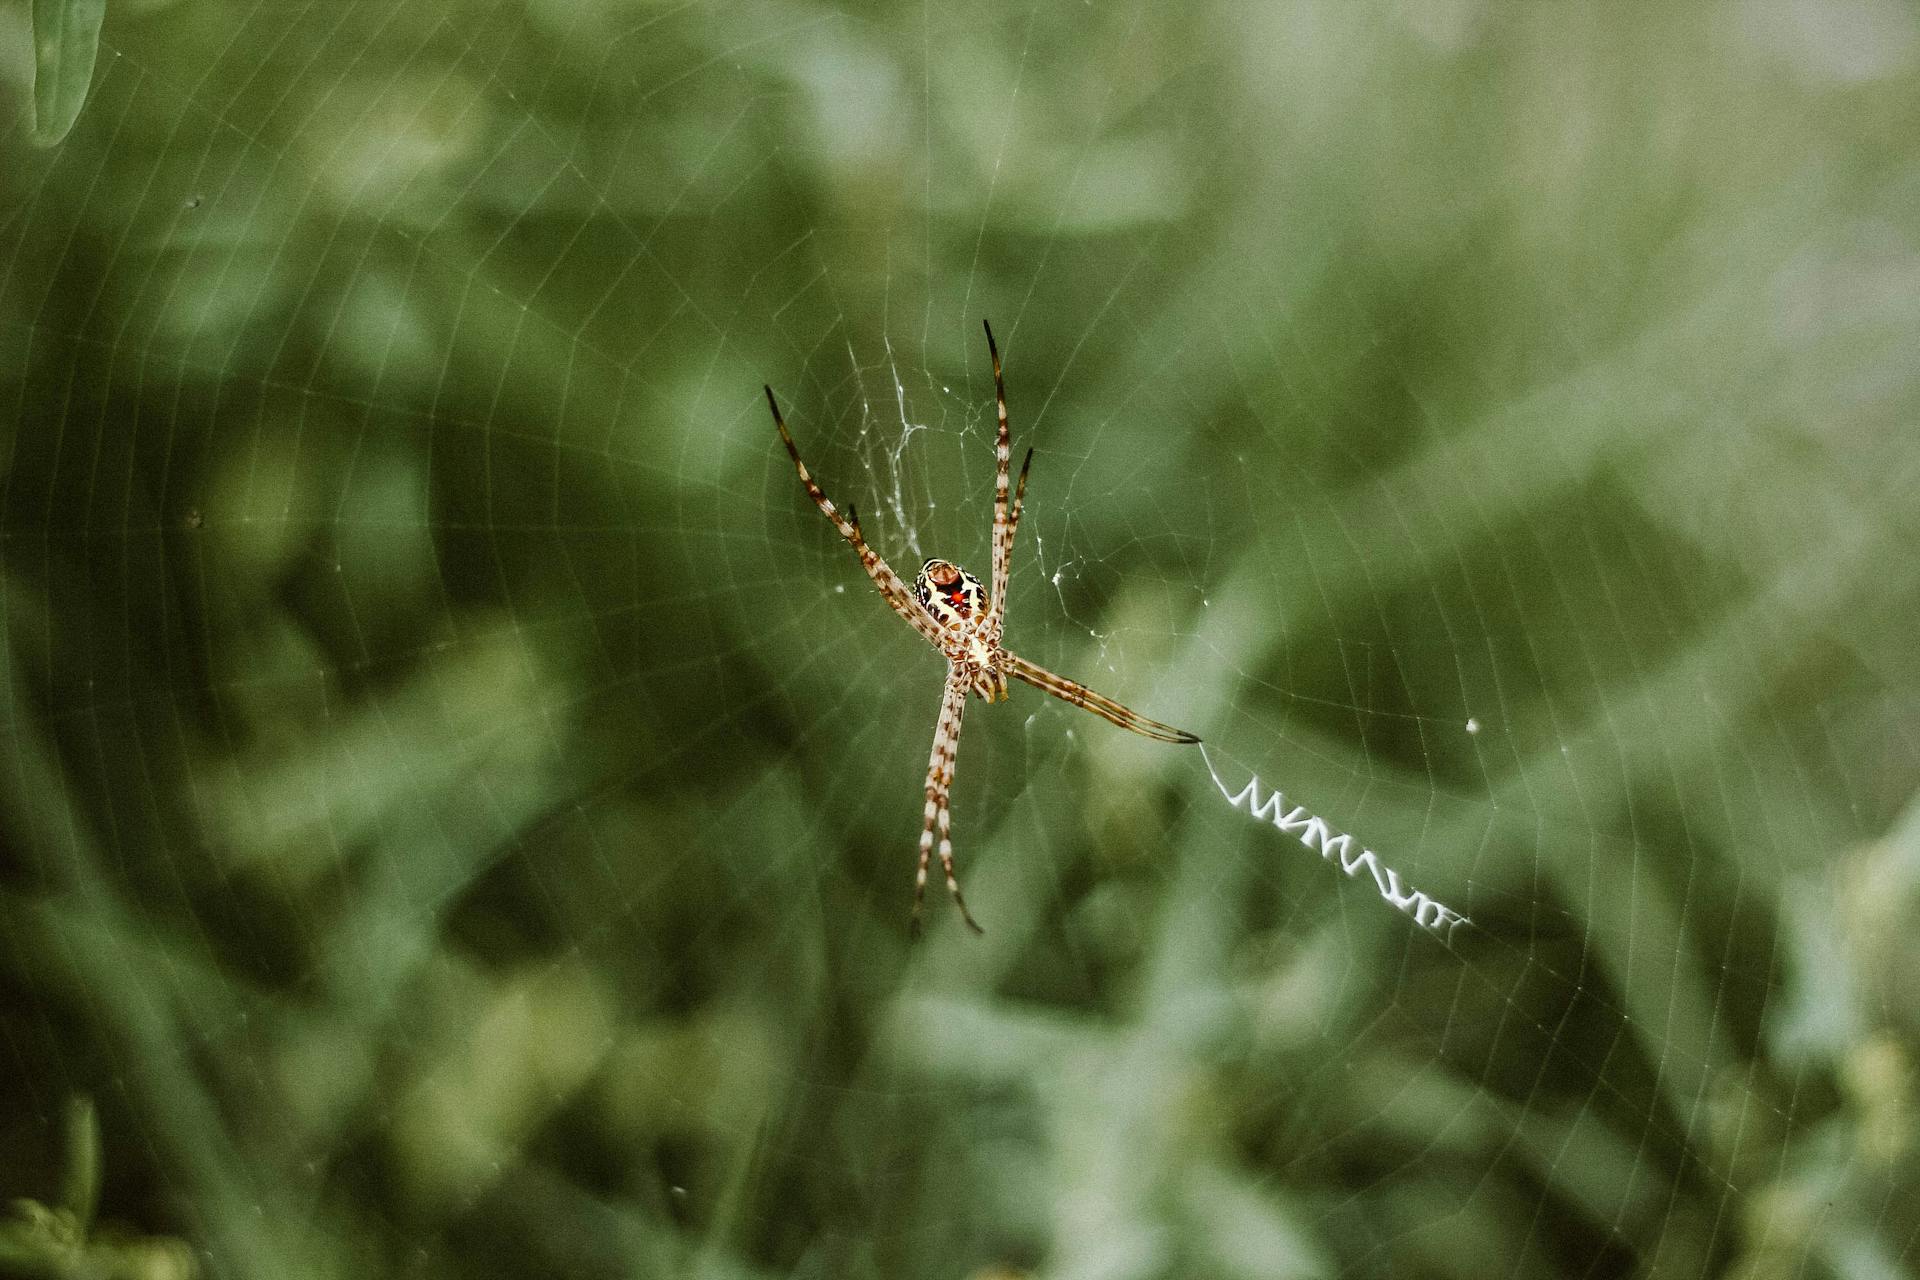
{"type": "Point", "coordinates": [946, 743]}
{"type": "Point", "coordinates": [892, 589]}
{"type": "Point", "coordinates": [1006, 517]}
{"type": "Point", "coordinates": [1080, 696]}
{"type": "Point", "coordinates": [997, 622]}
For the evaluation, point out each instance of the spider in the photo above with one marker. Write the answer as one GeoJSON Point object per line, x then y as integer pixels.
{"type": "Point", "coordinates": [958, 617]}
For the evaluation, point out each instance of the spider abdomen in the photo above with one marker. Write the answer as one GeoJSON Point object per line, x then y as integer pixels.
{"type": "Point", "coordinates": [953, 596]}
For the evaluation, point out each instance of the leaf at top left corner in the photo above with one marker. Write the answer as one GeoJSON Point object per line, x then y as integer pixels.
{"type": "Point", "coordinates": [66, 41]}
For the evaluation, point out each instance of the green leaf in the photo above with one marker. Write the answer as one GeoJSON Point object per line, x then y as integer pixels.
{"type": "Point", "coordinates": [80, 1188]}
{"type": "Point", "coordinates": [66, 40]}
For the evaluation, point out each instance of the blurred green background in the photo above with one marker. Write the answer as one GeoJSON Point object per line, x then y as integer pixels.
{"type": "Point", "coordinates": [458, 799]}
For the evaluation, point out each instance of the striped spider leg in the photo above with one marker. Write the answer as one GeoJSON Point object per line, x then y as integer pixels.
{"type": "Point", "coordinates": [958, 616]}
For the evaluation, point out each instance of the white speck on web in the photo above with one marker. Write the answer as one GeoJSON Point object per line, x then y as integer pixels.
{"type": "Point", "coordinates": [1473, 726]}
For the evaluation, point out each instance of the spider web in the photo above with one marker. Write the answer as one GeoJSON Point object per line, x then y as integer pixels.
{"type": "Point", "coordinates": [460, 797]}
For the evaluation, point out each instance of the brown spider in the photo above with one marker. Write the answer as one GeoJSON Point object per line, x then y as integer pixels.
{"type": "Point", "coordinates": [957, 616]}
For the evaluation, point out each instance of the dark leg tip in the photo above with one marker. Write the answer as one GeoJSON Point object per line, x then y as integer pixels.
{"type": "Point", "coordinates": [967, 915]}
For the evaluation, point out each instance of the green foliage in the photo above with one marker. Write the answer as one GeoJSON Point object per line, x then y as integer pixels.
{"type": "Point", "coordinates": [39, 1242]}
{"type": "Point", "coordinates": [66, 42]}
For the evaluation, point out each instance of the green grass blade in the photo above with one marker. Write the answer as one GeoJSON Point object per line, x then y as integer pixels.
{"type": "Point", "coordinates": [66, 40]}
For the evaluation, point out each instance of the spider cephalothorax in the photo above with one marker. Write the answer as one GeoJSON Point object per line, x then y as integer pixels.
{"type": "Point", "coordinates": [953, 611]}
